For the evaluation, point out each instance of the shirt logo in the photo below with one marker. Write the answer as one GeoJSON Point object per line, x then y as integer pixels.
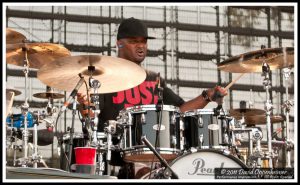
{"type": "Point", "coordinates": [142, 94]}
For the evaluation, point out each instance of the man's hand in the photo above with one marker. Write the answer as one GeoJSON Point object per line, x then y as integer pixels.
{"type": "Point", "coordinates": [216, 94]}
{"type": "Point", "coordinates": [84, 104]}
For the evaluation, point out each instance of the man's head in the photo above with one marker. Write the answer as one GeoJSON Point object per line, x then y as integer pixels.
{"type": "Point", "coordinates": [132, 40]}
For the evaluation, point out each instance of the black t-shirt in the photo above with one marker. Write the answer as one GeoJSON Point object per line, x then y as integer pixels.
{"type": "Point", "coordinates": [145, 93]}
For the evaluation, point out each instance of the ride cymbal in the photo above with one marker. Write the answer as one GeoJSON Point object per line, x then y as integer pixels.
{"type": "Point", "coordinates": [47, 95]}
{"type": "Point", "coordinates": [13, 36]}
{"type": "Point", "coordinates": [276, 58]}
{"type": "Point", "coordinates": [114, 74]}
{"type": "Point", "coordinates": [38, 54]}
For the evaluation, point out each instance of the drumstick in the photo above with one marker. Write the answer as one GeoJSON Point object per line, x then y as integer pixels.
{"type": "Point", "coordinates": [231, 83]}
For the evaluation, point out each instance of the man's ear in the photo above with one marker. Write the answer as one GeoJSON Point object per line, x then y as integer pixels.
{"type": "Point", "coordinates": [120, 44]}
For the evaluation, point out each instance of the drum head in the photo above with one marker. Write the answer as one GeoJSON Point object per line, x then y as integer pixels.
{"type": "Point", "coordinates": [202, 164]}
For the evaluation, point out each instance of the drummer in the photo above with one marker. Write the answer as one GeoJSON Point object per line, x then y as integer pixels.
{"type": "Point", "coordinates": [132, 45]}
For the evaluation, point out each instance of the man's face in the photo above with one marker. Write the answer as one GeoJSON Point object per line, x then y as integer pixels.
{"type": "Point", "coordinates": [134, 49]}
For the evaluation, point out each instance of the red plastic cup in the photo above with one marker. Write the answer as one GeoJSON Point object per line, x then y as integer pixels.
{"type": "Point", "coordinates": [85, 155]}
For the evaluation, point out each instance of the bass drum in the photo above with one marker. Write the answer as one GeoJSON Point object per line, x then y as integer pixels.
{"type": "Point", "coordinates": [200, 164]}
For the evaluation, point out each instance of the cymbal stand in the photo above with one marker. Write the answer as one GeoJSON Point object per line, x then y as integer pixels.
{"type": "Point", "coordinates": [24, 109]}
{"type": "Point", "coordinates": [109, 130]}
{"type": "Point", "coordinates": [287, 106]}
{"type": "Point", "coordinates": [256, 135]}
{"type": "Point", "coordinates": [268, 108]}
{"type": "Point", "coordinates": [36, 158]}
{"type": "Point", "coordinates": [95, 84]}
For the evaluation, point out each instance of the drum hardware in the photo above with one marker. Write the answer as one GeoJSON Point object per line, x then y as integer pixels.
{"type": "Point", "coordinates": [264, 61]}
{"type": "Point", "coordinates": [171, 174]}
{"type": "Point", "coordinates": [95, 99]}
{"type": "Point", "coordinates": [287, 106]}
{"type": "Point", "coordinates": [31, 55]}
{"type": "Point", "coordinates": [72, 130]}
{"type": "Point", "coordinates": [268, 107]}
{"type": "Point", "coordinates": [159, 109]}
{"type": "Point", "coordinates": [25, 106]}
{"type": "Point", "coordinates": [71, 99]}
{"type": "Point", "coordinates": [100, 165]}
{"type": "Point", "coordinates": [109, 131]}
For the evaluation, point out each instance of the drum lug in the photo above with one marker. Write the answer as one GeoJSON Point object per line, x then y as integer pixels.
{"type": "Point", "coordinates": [200, 121]}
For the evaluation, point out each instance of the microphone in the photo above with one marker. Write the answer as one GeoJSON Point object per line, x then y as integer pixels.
{"type": "Point", "coordinates": [73, 94]}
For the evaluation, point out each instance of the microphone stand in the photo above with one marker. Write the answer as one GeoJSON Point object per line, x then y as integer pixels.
{"type": "Point", "coordinates": [163, 161]}
{"type": "Point", "coordinates": [159, 107]}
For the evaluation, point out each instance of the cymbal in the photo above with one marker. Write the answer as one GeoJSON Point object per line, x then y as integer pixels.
{"type": "Point", "coordinates": [114, 74]}
{"type": "Point", "coordinates": [252, 61]}
{"type": "Point", "coordinates": [13, 36]}
{"type": "Point", "coordinates": [9, 89]}
{"type": "Point", "coordinates": [246, 112]}
{"type": "Point", "coordinates": [38, 54]}
{"type": "Point", "coordinates": [261, 119]}
{"type": "Point", "coordinates": [47, 95]}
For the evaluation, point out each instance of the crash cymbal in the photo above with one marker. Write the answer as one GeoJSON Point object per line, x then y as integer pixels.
{"type": "Point", "coordinates": [9, 89]}
{"type": "Point", "coordinates": [38, 54]}
{"type": "Point", "coordinates": [114, 74]}
{"type": "Point", "coordinates": [246, 112]}
{"type": "Point", "coordinates": [47, 95]}
{"type": "Point", "coordinates": [13, 36]}
{"type": "Point", "coordinates": [276, 58]}
{"type": "Point", "coordinates": [261, 119]}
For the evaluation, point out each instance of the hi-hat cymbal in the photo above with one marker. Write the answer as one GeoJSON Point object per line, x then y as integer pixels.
{"type": "Point", "coordinates": [13, 36]}
{"type": "Point", "coordinates": [38, 54]}
{"type": "Point", "coordinates": [114, 74]}
{"type": "Point", "coordinates": [246, 112]}
{"type": "Point", "coordinates": [276, 58]}
{"type": "Point", "coordinates": [47, 95]}
{"type": "Point", "coordinates": [9, 89]}
{"type": "Point", "coordinates": [261, 119]}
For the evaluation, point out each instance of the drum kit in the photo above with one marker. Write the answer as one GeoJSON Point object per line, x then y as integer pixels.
{"type": "Point", "coordinates": [187, 144]}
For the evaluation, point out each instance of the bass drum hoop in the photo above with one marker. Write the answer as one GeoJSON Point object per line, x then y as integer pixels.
{"type": "Point", "coordinates": [244, 166]}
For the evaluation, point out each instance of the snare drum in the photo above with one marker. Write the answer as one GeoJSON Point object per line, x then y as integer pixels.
{"type": "Point", "coordinates": [204, 129]}
{"type": "Point", "coordinates": [144, 120]}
